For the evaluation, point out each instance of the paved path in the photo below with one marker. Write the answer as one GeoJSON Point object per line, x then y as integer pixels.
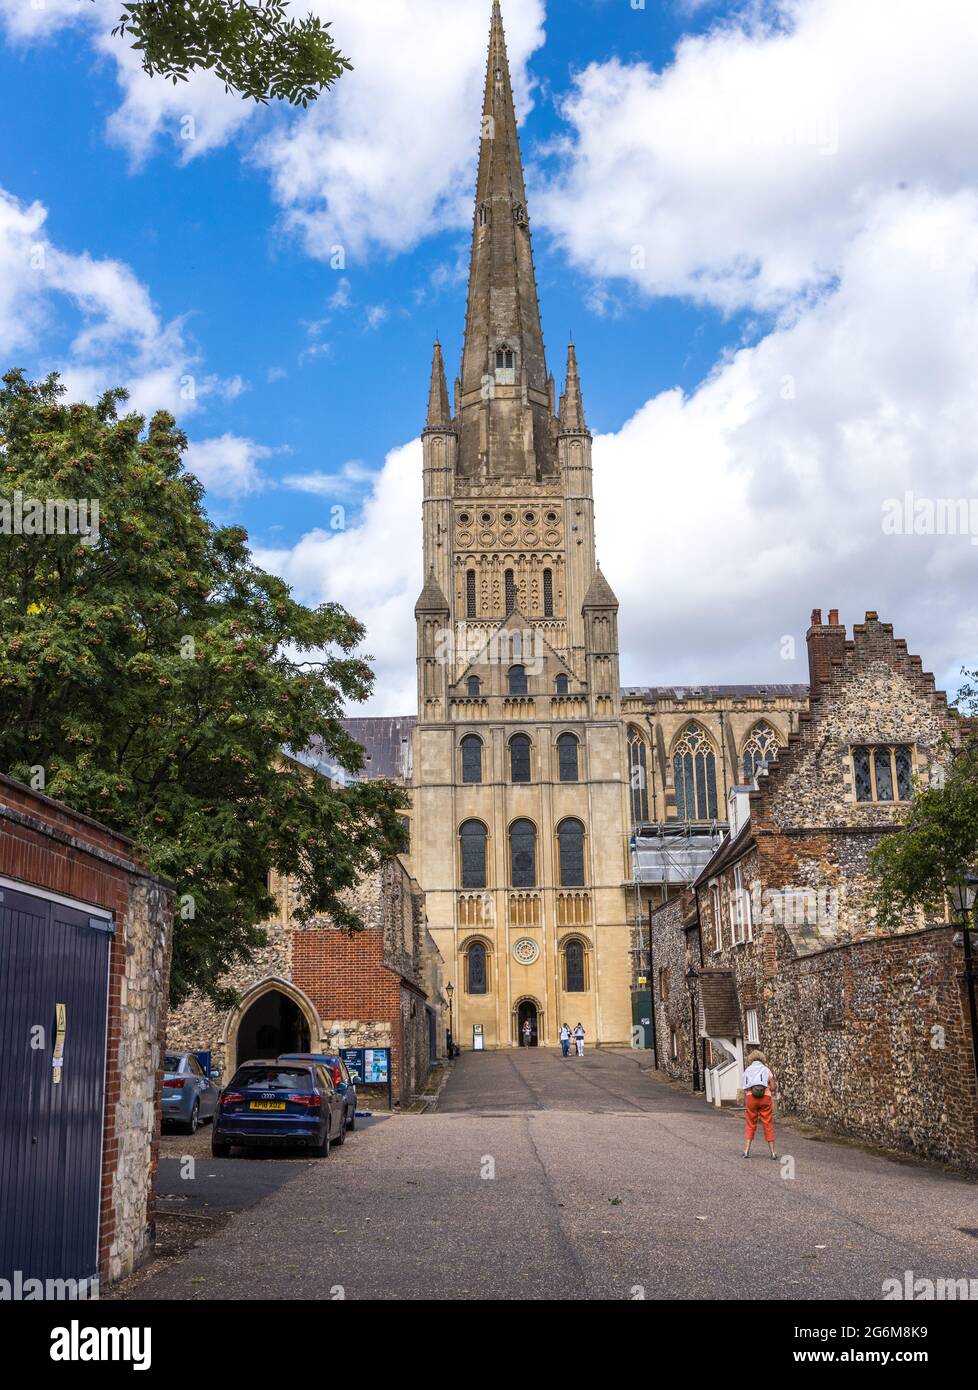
{"type": "Point", "coordinates": [545, 1178]}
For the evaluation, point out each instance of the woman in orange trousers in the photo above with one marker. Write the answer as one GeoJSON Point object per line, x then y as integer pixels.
{"type": "Point", "coordinates": [758, 1081]}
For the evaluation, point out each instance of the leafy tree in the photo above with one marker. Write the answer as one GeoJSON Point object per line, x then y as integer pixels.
{"type": "Point", "coordinates": [916, 868]}
{"type": "Point", "coordinates": [151, 676]}
{"type": "Point", "coordinates": [250, 45]}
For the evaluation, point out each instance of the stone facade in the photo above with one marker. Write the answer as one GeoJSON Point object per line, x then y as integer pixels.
{"type": "Point", "coordinates": [45, 846]}
{"type": "Point", "coordinates": [379, 987]}
{"type": "Point", "coordinates": [867, 1029]}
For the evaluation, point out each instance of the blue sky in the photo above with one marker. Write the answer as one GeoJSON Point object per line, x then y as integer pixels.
{"type": "Point", "coordinates": [752, 411]}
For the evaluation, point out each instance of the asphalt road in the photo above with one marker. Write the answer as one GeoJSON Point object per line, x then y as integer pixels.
{"type": "Point", "coordinates": [540, 1177]}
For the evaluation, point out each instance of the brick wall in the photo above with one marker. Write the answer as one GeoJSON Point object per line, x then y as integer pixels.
{"type": "Point", "coordinates": [45, 845]}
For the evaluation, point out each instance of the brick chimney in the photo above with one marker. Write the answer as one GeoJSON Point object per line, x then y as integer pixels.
{"type": "Point", "coordinates": [825, 641]}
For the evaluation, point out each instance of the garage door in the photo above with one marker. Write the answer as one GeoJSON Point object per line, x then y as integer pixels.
{"type": "Point", "coordinates": [54, 970]}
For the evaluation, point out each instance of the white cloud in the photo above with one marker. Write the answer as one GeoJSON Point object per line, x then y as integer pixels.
{"type": "Point", "coordinates": [348, 482]}
{"type": "Point", "coordinates": [374, 570]}
{"type": "Point", "coordinates": [227, 465]}
{"type": "Point", "coordinates": [740, 173]}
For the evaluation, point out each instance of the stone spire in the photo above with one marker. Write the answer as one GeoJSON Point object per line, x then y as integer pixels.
{"type": "Point", "coordinates": [505, 425]}
{"type": "Point", "coordinates": [439, 411]}
{"type": "Point", "coordinates": [571, 402]}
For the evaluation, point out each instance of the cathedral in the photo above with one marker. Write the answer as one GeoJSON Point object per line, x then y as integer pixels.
{"type": "Point", "coordinates": [550, 807]}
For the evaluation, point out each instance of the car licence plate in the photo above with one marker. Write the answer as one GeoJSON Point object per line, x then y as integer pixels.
{"type": "Point", "coordinates": [266, 1105]}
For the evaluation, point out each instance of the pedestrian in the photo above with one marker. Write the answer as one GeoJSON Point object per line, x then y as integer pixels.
{"type": "Point", "coordinates": [758, 1081]}
{"type": "Point", "coordinates": [565, 1036]}
{"type": "Point", "coordinates": [527, 1033]}
{"type": "Point", "coordinates": [579, 1039]}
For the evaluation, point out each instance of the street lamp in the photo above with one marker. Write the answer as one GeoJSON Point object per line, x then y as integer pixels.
{"type": "Point", "coordinates": [692, 975]}
{"type": "Point", "coordinates": [450, 990]}
{"type": "Point", "coordinates": [963, 895]}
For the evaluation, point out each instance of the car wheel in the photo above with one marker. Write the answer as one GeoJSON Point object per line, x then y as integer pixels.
{"type": "Point", "coordinates": [191, 1126]}
{"type": "Point", "coordinates": [321, 1150]}
{"type": "Point", "coordinates": [220, 1148]}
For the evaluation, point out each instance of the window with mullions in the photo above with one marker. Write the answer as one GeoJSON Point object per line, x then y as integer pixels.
{"type": "Point", "coordinates": [567, 748]}
{"type": "Point", "coordinates": [575, 970]}
{"type": "Point", "coordinates": [548, 593]}
{"type": "Point", "coordinates": [477, 969]}
{"type": "Point", "coordinates": [517, 680]}
{"type": "Point", "coordinates": [471, 747]}
{"type": "Point", "coordinates": [519, 758]}
{"type": "Point", "coordinates": [695, 768]}
{"type": "Point", "coordinates": [472, 842]}
{"type": "Point", "coordinates": [470, 606]}
{"type": "Point", "coordinates": [523, 854]}
{"type": "Point", "coordinates": [762, 746]}
{"type": "Point", "coordinates": [638, 780]}
{"type": "Point", "coordinates": [883, 773]}
{"type": "Point", "coordinates": [570, 853]}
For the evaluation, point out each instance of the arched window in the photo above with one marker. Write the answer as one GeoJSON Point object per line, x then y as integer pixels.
{"type": "Point", "coordinates": [471, 747]}
{"type": "Point", "coordinates": [476, 968]}
{"type": "Point", "coordinates": [575, 966]}
{"type": "Point", "coordinates": [519, 758]}
{"type": "Point", "coordinates": [505, 359]}
{"type": "Point", "coordinates": [562, 685]}
{"type": "Point", "coordinates": [523, 854]}
{"type": "Point", "coordinates": [472, 844]}
{"type": "Point", "coordinates": [483, 214]}
{"type": "Point", "coordinates": [517, 680]}
{"type": "Point", "coordinates": [470, 608]}
{"type": "Point", "coordinates": [474, 685]}
{"type": "Point", "coordinates": [548, 593]}
{"type": "Point", "coordinates": [762, 747]}
{"type": "Point", "coordinates": [510, 582]}
{"type": "Point", "coordinates": [638, 776]}
{"type": "Point", "coordinates": [570, 853]}
{"type": "Point", "coordinates": [567, 747]}
{"type": "Point", "coordinates": [695, 767]}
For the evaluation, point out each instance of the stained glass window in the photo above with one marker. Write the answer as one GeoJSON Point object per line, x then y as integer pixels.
{"type": "Point", "coordinates": [471, 758]}
{"type": "Point", "coordinates": [694, 766]}
{"type": "Point", "coordinates": [904, 773]}
{"type": "Point", "coordinates": [884, 774]}
{"type": "Point", "coordinates": [472, 837]}
{"type": "Point", "coordinates": [762, 747]}
{"type": "Point", "coordinates": [570, 847]}
{"type": "Point", "coordinates": [567, 757]}
{"type": "Point", "coordinates": [519, 758]}
{"type": "Point", "coordinates": [477, 981]}
{"type": "Point", "coordinates": [864, 782]}
{"type": "Point", "coordinates": [523, 854]}
{"type": "Point", "coordinates": [517, 680]}
{"type": "Point", "coordinates": [574, 977]}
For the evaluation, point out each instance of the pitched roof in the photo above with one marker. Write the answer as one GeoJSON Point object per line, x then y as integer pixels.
{"type": "Point", "coordinates": [600, 594]}
{"type": "Point", "coordinates": [431, 599]}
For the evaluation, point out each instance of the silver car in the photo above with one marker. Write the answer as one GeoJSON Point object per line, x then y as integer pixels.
{"type": "Point", "coordinates": [189, 1095]}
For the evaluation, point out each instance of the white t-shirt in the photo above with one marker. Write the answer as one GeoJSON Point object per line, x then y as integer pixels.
{"type": "Point", "coordinates": [578, 1032]}
{"type": "Point", "coordinates": [564, 1033]}
{"type": "Point", "coordinates": [757, 1074]}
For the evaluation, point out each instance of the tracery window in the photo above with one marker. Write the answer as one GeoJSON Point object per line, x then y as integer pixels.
{"type": "Point", "coordinates": [523, 854]}
{"type": "Point", "coordinates": [883, 773]}
{"type": "Point", "coordinates": [567, 748]}
{"type": "Point", "coordinates": [519, 758]}
{"type": "Point", "coordinates": [762, 747]}
{"type": "Point", "coordinates": [472, 846]}
{"type": "Point", "coordinates": [471, 747]}
{"type": "Point", "coordinates": [694, 765]}
{"type": "Point", "coordinates": [638, 778]}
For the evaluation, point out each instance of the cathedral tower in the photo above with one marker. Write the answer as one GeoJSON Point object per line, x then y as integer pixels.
{"type": "Point", "coordinates": [520, 806]}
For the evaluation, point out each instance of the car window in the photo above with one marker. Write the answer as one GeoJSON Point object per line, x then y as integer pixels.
{"type": "Point", "coordinates": [344, 1071]}
{"type": "Point", "coordinates": [173, 1062]}
{"type": "Point", "coordinates": [195, 1066]}
{"type": "Point", "coordinates": [277, 1078]}
{"type": "Point", "coordinates": [324, 1078]}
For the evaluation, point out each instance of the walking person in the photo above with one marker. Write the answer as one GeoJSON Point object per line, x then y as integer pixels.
{"type": "Point", "coordinates": [565, 1037]}
{"type": "Point", "coordinates": [579, 1039]}
{"type": "Point", "coordinates": [527, 1033]}
{"type": "Point", "coordinates": [758, 1081]}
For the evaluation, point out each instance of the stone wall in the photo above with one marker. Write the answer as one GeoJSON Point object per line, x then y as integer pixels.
{"type": "Point", "coordinates": [672, 955]}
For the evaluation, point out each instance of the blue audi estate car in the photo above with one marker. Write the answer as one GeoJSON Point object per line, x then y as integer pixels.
{"type": "Point", "coordinates": [279, 1103]}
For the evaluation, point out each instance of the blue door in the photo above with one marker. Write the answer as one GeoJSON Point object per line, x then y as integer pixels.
{"type": "Point", "coordinates": [54, 970]}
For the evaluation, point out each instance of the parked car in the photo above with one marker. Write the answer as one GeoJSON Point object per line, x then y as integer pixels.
{"type": "Point", "coordinates": [189, 1094]}
{"type": "Point", "coordinates": [343, 1079]}
{"type": "Point", "coordinates": [281, 1103]}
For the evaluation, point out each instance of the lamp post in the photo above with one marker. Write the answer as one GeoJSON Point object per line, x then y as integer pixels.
{"type": "Point", "coordinates": [964, 897]}
{"type": "Point", "coordinates": [692, 976]}
{"type": "Point", "coordinates": [450, 990]}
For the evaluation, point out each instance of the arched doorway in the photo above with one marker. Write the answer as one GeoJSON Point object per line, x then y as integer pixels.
{"type": "Point", "coordinates": [526, 1012]}
{"type": "Point", "coordinates": [273, 1024]}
